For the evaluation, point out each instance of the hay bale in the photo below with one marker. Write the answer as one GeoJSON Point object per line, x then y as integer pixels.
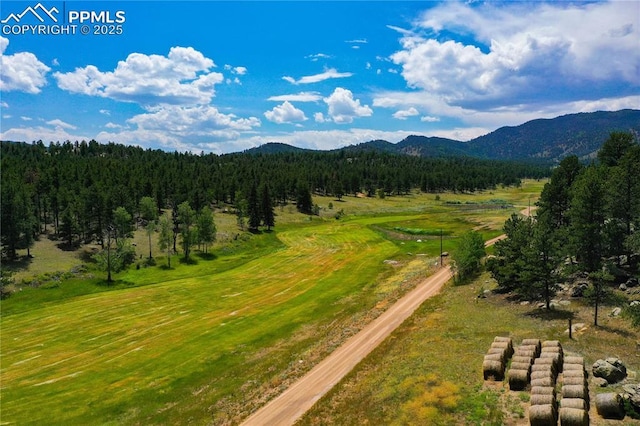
{"type": "Point", "coordinates": [543, 415]}
{"type": "Point", "coordinates": [543, 390]}
{"type": "Point", "coordinates": [520, 366]}
{"type": "Point", "coordinates": [517, 359]}
{"type": "Point", "coordinates": [574, 381]}
{"type": "Point", "coordinates": [548, 359]}
{"type": "Point", "coordinates": [528, 352]}
{"type": "Point", "coordinates": [532, 342]}
{"type": "Point", "coordinates": [507, 340]}
{"type": "Point", "coordinates": [546, 368]}
{"type": "Point", "coordinates": [501, 351]}
{"type": "Point", "coordinates": [573, 417]}
{"type": "Point", "coordinates": [609, 406]}
{"type": "Point", "coordinates": [518, 379]}
{"type": "Point", "coordinates": [551, 344]}
{"type": "Point", "coordinates": [546, 381]}
{"type": "Point", "coordinates": [491, 368]}
{"type": "Point", "coordinates": [541, 375]}
{"type": "Point", "coordinates": [578, 403]}
{"type": "Point", "coordinates": [540, 399]}
{"type": "Point", "coordinates": [574, 373]}
{"type": "Point", "coordinates": [574, 360]}
{"type": "Point", "coordinates": [575, 391]}
{"type": "Point", "coordinates": [572, 367]}
{"type": "Point", "coordinates": [495, 357]}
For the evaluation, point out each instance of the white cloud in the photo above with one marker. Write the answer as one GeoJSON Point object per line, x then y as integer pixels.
{"type": "Point", "coordinates": [21, 71]}
{"type": "Point", "coordinates": [3, 104]}
{"type": "Point", "coordinates": [523, 52]}
{"type": "Point", "coordinates": [59, 123]}
{"type": "Point", "coordinates": [105, 112]}
{"type": "Point", "coordinates": [240, 70]}
{"type": "Point", "coordinates": [180, 78]}
{"type": "Point", "coordinates": [297, 97]}
{"type": "Point", "coordinates": [285, 113]}
{"type": "Point", "coordinates": [25, 118]}
{"type": "Point", "coordinates": [328, 74]}
{"type": "Point", "coordinates": [403, 114]}
{"type": "Point", "coordinates": [111, 125]}
{"type": "Point", "coordinates": [343, 108]}
{"type": "Point", "coordinates": [55, 62]}
{"type": "Point", "coordinates": [317, 56]}
{"type": "Point", "coordinates": [46, 134]}
{"type": "Point", "coordinates": [319, 117]}
{"type": "Point", "coordinates": [429, 119]}
{"type": "Point", "coordinates": [357, 41]}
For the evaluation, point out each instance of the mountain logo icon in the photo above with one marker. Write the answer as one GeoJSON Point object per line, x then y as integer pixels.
{"type": "Point", "coordinates": [38, 11]}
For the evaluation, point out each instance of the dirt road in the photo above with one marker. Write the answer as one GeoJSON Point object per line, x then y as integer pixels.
{"type": "Point", "coordinates": [299, 397]}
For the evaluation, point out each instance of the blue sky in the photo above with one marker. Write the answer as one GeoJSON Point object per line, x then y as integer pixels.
{"type": "Point", "coordinates": [227, 76]}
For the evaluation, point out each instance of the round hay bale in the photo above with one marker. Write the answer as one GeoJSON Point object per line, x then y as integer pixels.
{"type": "Point", "coordinates": [501, 351]}
{"type": "Point", "coordinates": [541, 375]}
{"type": "Point", "coordinates": [547, 368]}
{"type": "Point", "coordinates": [534, 343]}
{"type": "Point", "coordinates": [574, 381]}
{"type": "Point", "coordinates": [531, 353]}
{"type": "Point", "coordinates": [575, 391]}
{"type": "Point", "coordinates": [574, 360]}
{"type": "Point", "coordinates": [574, 373]}
{"type": "Point", "coordinates": [521, 366]}
{"type": "Point", "coordinates": [540, 399]}
{"type": "Point", "coordinates": [548, 359]}
{"type": "Point", "coordinates": [543, 415]}
{"type": "Point", "coordinates": [495, 357]}
{"type": "Point", "coordinates": [572, 367]}
{"type": "Point", "coordinates": [609, 405]}
{"type": "Point", "coordinates": [578, 403]}
{"type": "Point", "coordinates": [491, 368]}
{"type": "Point", "coordinates": [573, 417]}
{"type": "Point", "coordinates": [543, 390]}
{"type": "Point", "coordinates": [518, 379]}
{"type": "Point", "coordinates": [547, 381]}
{"type": "Point", "coordinates": [506, 340]}
{"type": "Point", "coordinates": [517, 359]}
{"type": "Point", "coordinates": [551, 344]}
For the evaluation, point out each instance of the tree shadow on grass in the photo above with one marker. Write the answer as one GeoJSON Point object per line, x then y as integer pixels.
{"type": "Point", "coordinates": [207, 256]}
{"type": "Point", "coordinates": [551, 314]}
{"type": "Point", "coordinates": [114, 284]}
{"type": "Point", "coordinates": [615, 330]}
{"type": "Point", "coordinates": [189, 261]}
{"type": "Point", "coordinates": [18, 264]}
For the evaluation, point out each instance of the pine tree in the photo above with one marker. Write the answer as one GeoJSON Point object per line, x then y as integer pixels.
{"type": "Point", "coordinates": [206, 227]}
{"type": "Point", "coordinates": [253, 209]}
{"type": "Point", "coordinates": [268, 216]}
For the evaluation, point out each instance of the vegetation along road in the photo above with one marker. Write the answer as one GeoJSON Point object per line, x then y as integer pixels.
{"type": "Point", "coordinates": [298, 398]}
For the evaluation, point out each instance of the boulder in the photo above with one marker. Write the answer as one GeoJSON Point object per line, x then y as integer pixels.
{"type": "Point", "coordinates": [615, 312]}
{"type": "Point", "coordinates": [632, 282]}
{"type": "Point", "coordinates": [634, 303]}
{"type": "Point", "coordinates": [600, 382]}
{"type": "Point", "coordinates": [623, 287]}
{"type": "Point", "coordinates": [579, 289]}
{"type": "Point", "coordinates": [611, 369]}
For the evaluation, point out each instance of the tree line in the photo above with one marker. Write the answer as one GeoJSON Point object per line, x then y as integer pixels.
{"type": "Point", "coordinates": [74, 189]}
{"type": "Point", "coordinates": [587, 221]}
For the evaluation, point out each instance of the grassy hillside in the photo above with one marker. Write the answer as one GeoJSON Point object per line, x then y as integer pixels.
{"type": "Point", "coordinates": [212, 341]}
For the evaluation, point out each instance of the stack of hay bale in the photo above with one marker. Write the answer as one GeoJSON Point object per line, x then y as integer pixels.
{"type": "Point", "coordinates": [495, 361]}
{"type": "Point", "coordinates": [544, 373]}
{"type": "Point", "coordinates": [523, 357]}
{"type": "Point", "coordinates": [574, 405]}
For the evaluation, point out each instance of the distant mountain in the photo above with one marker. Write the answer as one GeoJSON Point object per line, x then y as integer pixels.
{"type": "Point", "coordinates": [546, 140]}
{"type": "Point", "coordinates": [552, 139]}
{"type": "Point", "coordinates": [274, 148]}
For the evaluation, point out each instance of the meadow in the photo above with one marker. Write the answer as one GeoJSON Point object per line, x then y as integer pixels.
{"type": "Point", "coordinates": [210, 342]}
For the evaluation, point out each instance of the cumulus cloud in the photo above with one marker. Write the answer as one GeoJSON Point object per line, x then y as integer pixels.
{"type": "Point", "coordinates": [285, 113]}
{"type": "Point", "coordinates": [403, 114]}
{"type": "Point", "coordinates": [21, 71]}
{"type": "Point", "coordinates": [328, 74]}
{"type": "Point", "coordinates": [182, 77]}
{"type": "Point", "coordinates": [51, 133]}
{"type": "Point", "coordinates": [343, 108]}
{"type": "Point", "coordinates": [521, 52]}
{"type": "Point", "coordinates": [429, 119]}
{"type": "Point", "coordinates": [297, 97]}
{"type": "Point", "coordinates": [59, 123]}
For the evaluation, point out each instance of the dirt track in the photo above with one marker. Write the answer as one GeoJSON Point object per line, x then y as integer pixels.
{"type": "Point", "coordinates": [300, 397]}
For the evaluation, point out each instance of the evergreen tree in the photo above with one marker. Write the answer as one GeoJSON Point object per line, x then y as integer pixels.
{"type": "Point", "coordinates": [253, 209]}
{"type": "Point", "coordinates": [304, 203]}
{"type": "Point", "coordinates": [587, 215]}
{"type": "Point", "coordinates": [122, 223]}
{"type": "Point", "coordinates": [268, 216]}
{"type": "Point", "coordinates": [614, 148]}
{"type": "Point", "coordinates": [506, 265]}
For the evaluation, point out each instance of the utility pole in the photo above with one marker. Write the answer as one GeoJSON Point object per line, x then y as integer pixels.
{"type": "Point", "coordinates": [441, 247]}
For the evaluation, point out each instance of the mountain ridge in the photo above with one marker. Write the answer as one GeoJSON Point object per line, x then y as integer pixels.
{"type": "Point", "coordinates": [544, 139]}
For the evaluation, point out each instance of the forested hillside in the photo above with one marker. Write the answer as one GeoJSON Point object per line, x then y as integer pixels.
{"type": "Point", "coordinates": [73, 189]}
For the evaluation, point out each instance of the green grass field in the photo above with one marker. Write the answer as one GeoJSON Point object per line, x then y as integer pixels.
{"type": "Point", "coordinates": [212, 341]}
